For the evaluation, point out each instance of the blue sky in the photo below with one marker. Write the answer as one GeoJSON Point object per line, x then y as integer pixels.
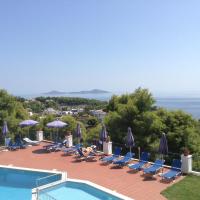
{"type": "Point", "coordinates": [116, 45]}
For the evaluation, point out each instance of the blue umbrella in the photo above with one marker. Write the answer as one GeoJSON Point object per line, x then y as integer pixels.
{"type": "Point", "coordinates": [78, 132]}
{"type": "Point", "coordinates": [5, 129]}
{"type": "Point", "coordinates": [130, 139]}
{"type": "Point", "coordinates": [27, 123]}
{"type": "Point", "coordinates": [163, 147]}
{"type": "Point", "coordinates": [103, 134]}
{"type": "Point", "coordinates": [57, 124]}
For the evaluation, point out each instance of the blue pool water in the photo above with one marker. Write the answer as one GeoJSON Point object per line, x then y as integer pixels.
{"type": "Point", "coordinates": [18, 184]}
{"type": "Point", "coordinates": [76, 191]}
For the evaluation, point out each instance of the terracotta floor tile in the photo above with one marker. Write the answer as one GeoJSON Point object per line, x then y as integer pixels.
{"type": "Point", "coordinates": [129, 184]}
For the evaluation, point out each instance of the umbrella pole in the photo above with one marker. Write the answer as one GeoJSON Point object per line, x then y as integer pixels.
{"type": "Point", "coordinates": [139, 153]}
{"type": "Point", "coordinates": [57, 135]}
{"type": "Point", "coordinates": [130, 149]}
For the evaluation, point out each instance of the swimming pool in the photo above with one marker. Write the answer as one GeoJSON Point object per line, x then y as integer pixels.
{"type": "Point", "coordinates": [17, 184]}
{"type": "Point", "coordinates": [79, 191]}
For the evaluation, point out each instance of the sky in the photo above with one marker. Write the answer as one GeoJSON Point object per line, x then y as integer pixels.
{"type": "Point", "coordinates": [115, 45]}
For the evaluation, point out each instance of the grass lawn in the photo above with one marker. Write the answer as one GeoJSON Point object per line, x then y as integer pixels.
{"type": "Point", "coordinates": [186, 189]}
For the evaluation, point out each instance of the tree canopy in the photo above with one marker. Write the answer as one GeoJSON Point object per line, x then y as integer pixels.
{"type": "Point", "coordinates": [138, 111]}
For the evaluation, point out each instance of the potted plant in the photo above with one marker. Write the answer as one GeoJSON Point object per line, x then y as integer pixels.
{"type": "Point", "coordinates": [186, 151]}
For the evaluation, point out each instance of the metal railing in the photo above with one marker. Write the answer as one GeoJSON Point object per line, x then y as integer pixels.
{"type": "Point", "coordinates": [48, 179]}
{"type": "Point", "coordinates": [196, 162]}
{"type": "Point", "coordinates": [44, 181]}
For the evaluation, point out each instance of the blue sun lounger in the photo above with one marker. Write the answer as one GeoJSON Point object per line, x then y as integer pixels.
{"type": "Point", "coordinates": [56, 147]}
{"type": "Point", "coordinates": [46, 147]}
{"type": "Point", "coordinates": [12, 146]}
{"type": "Point", "coordinates": [20, 144]}
{"type": "Point", "coordinates": [174, 171]}
{"type": "Point", "coordinates": [72, 150]}
{"type": "Point", "coordinates": [125, 160]}
{"type": "Point", "coordinates": [143, 160]}
{"type": "Point", "coordinates": [110, 159]}
{"type": "Point", "coordinates": [153, 169]}
{"type": "Point", "coordinates": [81, 156]}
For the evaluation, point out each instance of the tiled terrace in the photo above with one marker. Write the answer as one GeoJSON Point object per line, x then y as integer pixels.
{"type": "Point", "coordinates": [121, 180]}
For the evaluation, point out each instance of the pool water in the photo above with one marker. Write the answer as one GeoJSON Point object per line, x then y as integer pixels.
{"type": "Point", "coordinates": [18, 184]}
{"type": "Point", "coordinates": [76, 191]}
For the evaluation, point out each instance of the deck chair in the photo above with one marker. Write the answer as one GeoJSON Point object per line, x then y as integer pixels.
{"type": "Point", "coordinates": [31, 142]}
{"type": "Point", "coordinates": [153, 169]}
{"type": "Point", "coordinates": [174, 171]}
{"type": "Point", "coordinates": [10, 146]}
{"type": "Point", "coordinates": [143, 160]}
{"type": "Point", "coordinates": [20, 143]}
{"type": "Point", "coordinates": [125, 160]}
{"type": "Point", "coordinates": [90, 157]}
{"type": "Point", "coordinates": [110, 159]}
{"type": "Point", "coordinates": [71, 150]}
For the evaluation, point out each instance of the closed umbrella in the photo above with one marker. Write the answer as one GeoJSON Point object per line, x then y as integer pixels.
{"type": "Point", "coordinates": [163, 147]}
{"type": "Point", "coordinates": [28, 123]}
{"type": "Point", "coordinates": [4, 129]}
{"type": "Point", "coordinates": [78, 132]}
{"type": "Point", "coordinates": [56, 124]}
{"type": "Point", "coordinates": [129, 141]}
{"type": "Point", "coordinates": [103, 134]}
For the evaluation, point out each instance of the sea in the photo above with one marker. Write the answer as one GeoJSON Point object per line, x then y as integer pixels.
{"type": "Point", "coordinates": [189, 105]}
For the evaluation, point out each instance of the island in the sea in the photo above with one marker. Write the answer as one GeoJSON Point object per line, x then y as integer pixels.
{"type": "Point", "coordinates": [54, 92]}
{"type": "Point", "coordinates": [93, 91]}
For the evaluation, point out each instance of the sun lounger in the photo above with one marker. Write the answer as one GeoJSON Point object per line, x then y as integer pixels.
{"type": "Point", "coordinates": [125, 160]}
{"type": "Point", "coordinates": [153, 169]}
{"type": "Point", "coordinates": [12, 146]}
{"type": "Point", "coordinates": [90, 157]}
{"type": "Point", "coordinates": [31, 142]}
{"type": "Point", "coordinates": [143, 160]}
{"type": "Point", "coordinates": [174, 171]}
{"type": "Point", "coordinates": [110, 159]}
{"type": "Point", "coordinates": [71, 150]}
{"type": "Point", "coordinates": [56, 146]}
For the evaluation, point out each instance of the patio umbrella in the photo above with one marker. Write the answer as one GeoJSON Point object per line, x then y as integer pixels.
{"type": "Point", "coordinates": [103, 134]}
{"type": "Point", "coordinates": [56, 124]}
{"type": "Point", "coordinates": [163, 147]}
{"type": "Point", "coordinates": [28, 123]}
{"type": "Point", "coordinates": [78, 132]}
{"type": "Point", "coordinates": [129, 141]}
{"type": "Point", "coordinates": [4, 129]}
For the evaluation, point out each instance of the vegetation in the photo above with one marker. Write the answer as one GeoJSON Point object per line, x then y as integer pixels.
{"type": "Point", "coordinates": [138, 111]}
{"type": "Point", "coordinates": [186, 189]}
{"type": "Point", "coordinates": [12, 111]}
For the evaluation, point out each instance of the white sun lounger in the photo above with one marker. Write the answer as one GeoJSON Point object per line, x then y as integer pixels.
{"type": "Point", "coordinates": [31, 142]}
